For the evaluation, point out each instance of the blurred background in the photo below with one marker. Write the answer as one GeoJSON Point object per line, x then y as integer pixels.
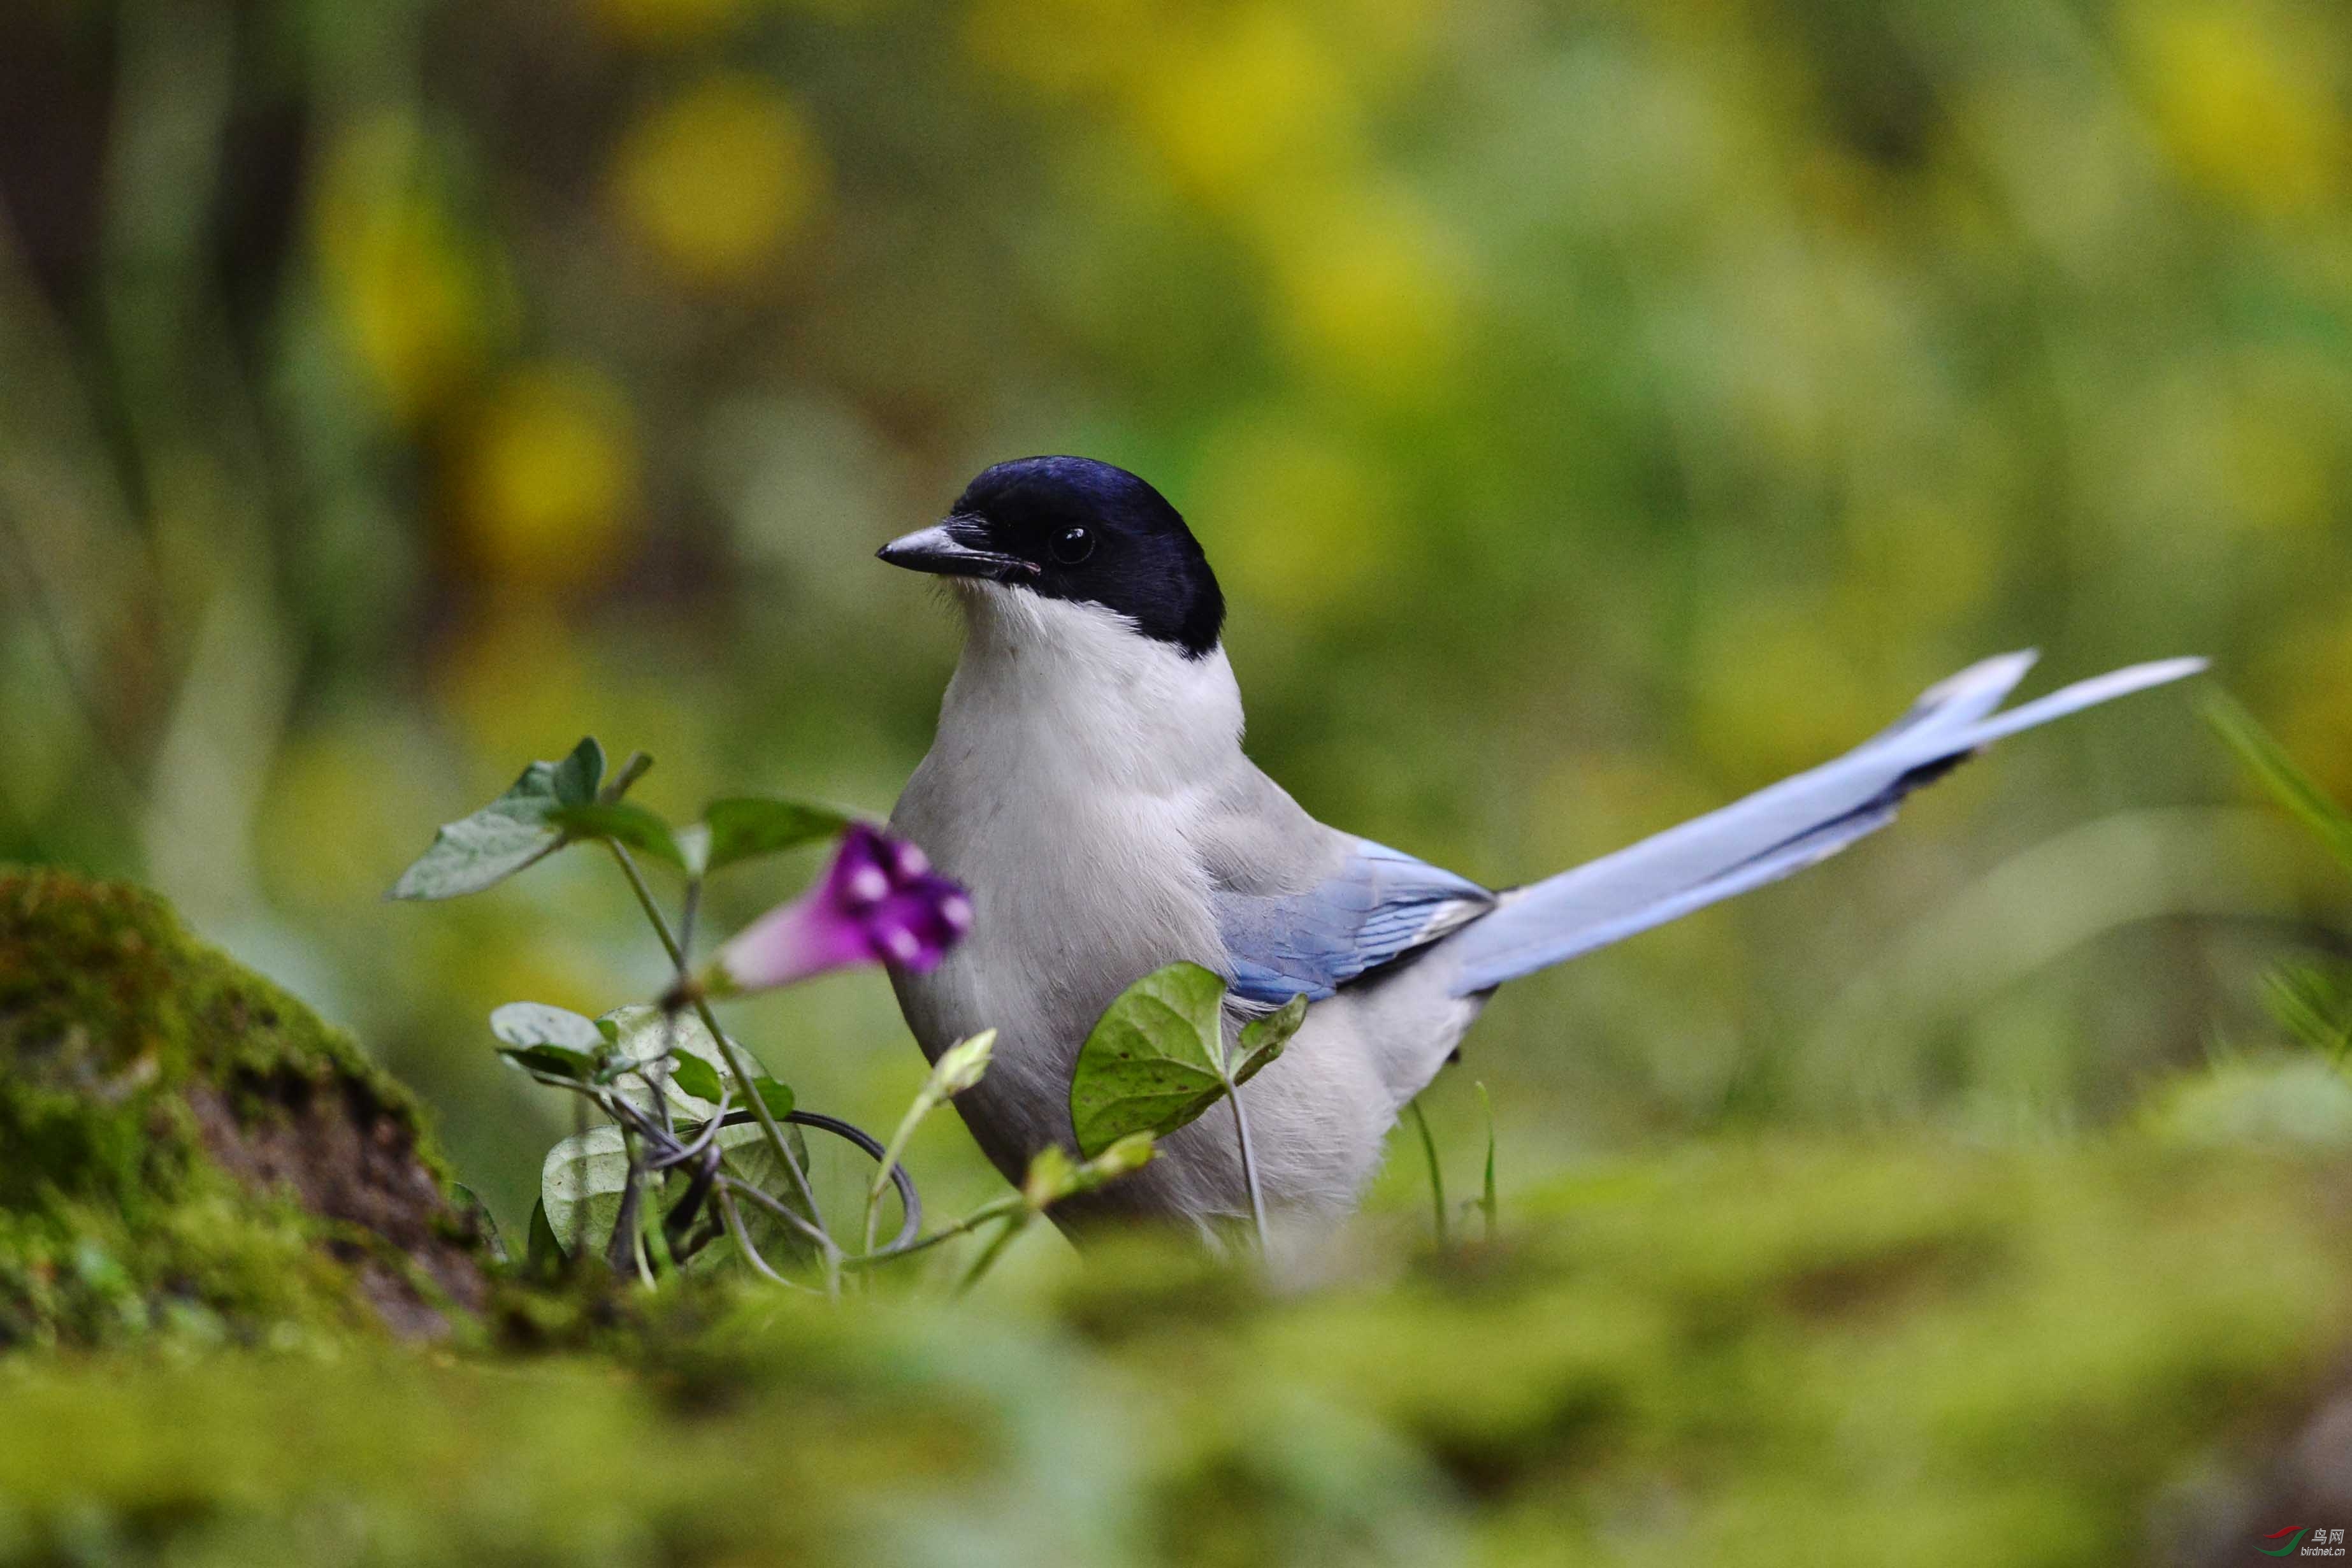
{"type": "Point", "coordinates": [1595, 411]}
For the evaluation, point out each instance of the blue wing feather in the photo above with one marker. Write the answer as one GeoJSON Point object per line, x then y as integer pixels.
{"type": "Point", "coordinates": [1377, 907]}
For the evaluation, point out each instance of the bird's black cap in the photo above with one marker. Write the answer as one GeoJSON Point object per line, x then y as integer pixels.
{"type": "Point", "coordinates": [1071, 527]}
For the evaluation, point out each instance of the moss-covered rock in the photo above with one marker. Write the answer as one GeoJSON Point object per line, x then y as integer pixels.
{"type": "Point", "coordinates": [184, 1147]}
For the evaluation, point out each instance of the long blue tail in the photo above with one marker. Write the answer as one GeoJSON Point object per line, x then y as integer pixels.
{"type": "Point", "coordinates": [1773, 832]}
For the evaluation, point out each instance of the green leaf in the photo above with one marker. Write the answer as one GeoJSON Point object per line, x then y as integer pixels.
{"type": "Point", "coordinates": [696, 1077]}
{"type": "Point", "coordinates": [1486, 1201]}
{"type": "Point", "coordinates": [471, 1202]}
{"type": "Point", "coordinates": [1262, 1039]}
{"type": "Point", "coordinates": [2311, 1004]}
{"type": "Point", "coordinates": [553, 1061]}
{"type": "Point", "coordinates": [2289, 784]}
{"type": "Point", "coordinates": [1151, 1063]}
{"type": "Point", "coordinates": [1436, 1169]}
{"type": "Point", "coordinates": [580, 1186]}
{"type": "Point", "coordinates": [545, 1251]}
{"type": "Point", "coordinates": [749, 826]}
{"type": "Point", "coordinates": [537, 1023]}
{"type": "Point", "coordinates": [510, 833]}
{"type": "Point", "coordinates": [775, 1096]}
{"type": "Point", "coordinates": [624, 824]}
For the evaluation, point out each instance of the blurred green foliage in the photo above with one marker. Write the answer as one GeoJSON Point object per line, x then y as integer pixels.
{"type": "Point", "coordinates": [1594, 408]}
{"type": "Point", "coordinates": [1764, 1353]}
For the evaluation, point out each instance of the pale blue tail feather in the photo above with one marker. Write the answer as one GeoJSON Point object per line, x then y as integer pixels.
{"type": "Point", "coordinates": [1771, 833]}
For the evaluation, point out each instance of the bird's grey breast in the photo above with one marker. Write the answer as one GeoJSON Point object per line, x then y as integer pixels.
{"type": "Point", "coordinates": [1084, 875]}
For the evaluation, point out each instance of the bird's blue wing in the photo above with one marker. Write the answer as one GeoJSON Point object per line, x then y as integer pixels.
{"type": "Point", "coordinates": [1378, 905]}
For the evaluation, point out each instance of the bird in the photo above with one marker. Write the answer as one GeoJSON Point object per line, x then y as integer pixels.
{"type": "Point", "coordinates": [1087, 784]}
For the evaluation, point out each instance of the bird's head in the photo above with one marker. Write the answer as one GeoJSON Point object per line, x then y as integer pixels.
{"type": "Point", "coordinates": [1081, 532]}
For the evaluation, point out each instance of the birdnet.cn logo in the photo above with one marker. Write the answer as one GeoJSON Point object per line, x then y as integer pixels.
{"type": "Point", "coordinates": [2302, 1540]}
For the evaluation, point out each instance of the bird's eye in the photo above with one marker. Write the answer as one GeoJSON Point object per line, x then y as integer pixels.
{"type": "Point", "coordinates": [1072, 546]}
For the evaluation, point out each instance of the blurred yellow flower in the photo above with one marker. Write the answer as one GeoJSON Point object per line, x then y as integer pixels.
{"type": "Point", "coordinates": [546, 478]}
{"type": "Point", "coordinates": [1256, 110]}
{"type": "Point", "coordinates": [716, 181]}
{"type": "Point", "coordinates": [2243, 104]}
{"type": "Point", "coordinates": [1368, 289]}
{"type": "Point", "coordinates": [405, 280]}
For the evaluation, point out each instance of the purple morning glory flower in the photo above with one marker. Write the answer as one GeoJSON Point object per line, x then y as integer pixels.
{"type": "Point", "coordinates": [879, 903]}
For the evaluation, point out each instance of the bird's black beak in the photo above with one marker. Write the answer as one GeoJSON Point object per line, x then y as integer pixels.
{"type": "Point", "coordinates": [950, 548]}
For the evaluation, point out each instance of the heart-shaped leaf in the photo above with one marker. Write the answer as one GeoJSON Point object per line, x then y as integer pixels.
{"type": "Point", "coordinates": [694, 1078]}
{"type": "Point", "coordinates": [553, 1061]}
{"type": "Point", "coordinates": [510, 833]}
{"type": "Point", "coordinates": [745, 827]}
{"type": "Point", "coordinates": [537, 1023]}
{"type": "Point", "coordinates": [1262, 1038]}
{"type": "Point", "coordinates": [1151, 1064]}
{"type": "Point", "coordinates": [580, 1186]}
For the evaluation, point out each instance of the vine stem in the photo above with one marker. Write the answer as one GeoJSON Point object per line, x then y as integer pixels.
{"type": "Point", "coordinates": [734, 1220]}
{"type": "Point", "coordinates": [891, 1154]}
{"type": "Point", "coordinates": [1014, 1226]}
{"type": "Point", "coordinates": [827, 1247]}
{"type": "Point", "coordinates": [1249, 1158]}
{"type": "Point", "coordinates": [774, 1129]}
{"type": "Point", "coordinates": [995, 1208]}
{"type": "Point", "coordinates": [646, 902]}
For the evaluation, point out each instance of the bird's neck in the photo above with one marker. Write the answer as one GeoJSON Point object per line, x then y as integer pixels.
{"type": "Point", "coordinates": [1073, 688]}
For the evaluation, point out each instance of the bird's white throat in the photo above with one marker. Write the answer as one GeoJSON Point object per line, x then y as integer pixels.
{"type": "Point", "coordinates": [1075, 689]}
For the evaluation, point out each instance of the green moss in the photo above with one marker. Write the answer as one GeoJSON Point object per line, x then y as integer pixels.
{"type": "Point", "coordinates": [1766, 1354]}
{"type": "Point", "coordinates": [189, 1149]}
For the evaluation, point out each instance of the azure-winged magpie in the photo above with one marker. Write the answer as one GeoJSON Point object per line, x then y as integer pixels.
{"type": "Point", "coordinates": [1087, 784]}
